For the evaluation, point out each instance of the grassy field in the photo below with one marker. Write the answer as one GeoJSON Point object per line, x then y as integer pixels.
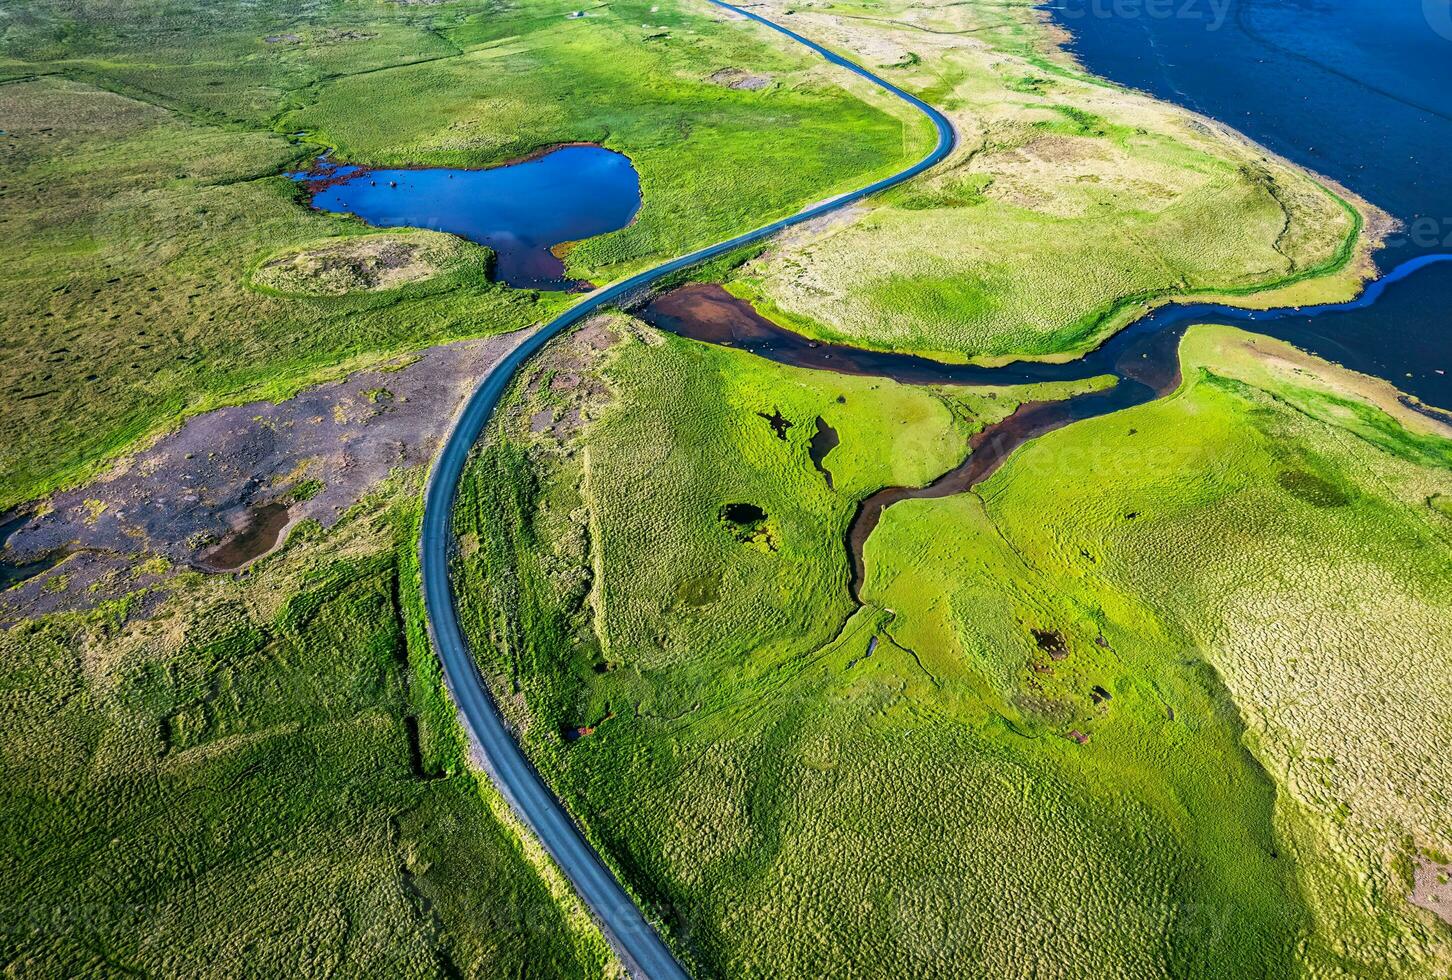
{"type": "Point", "coordinates": [634, 76]}
{"type": "Point", "coordinates": [1070, 207]}
{"type": "Point", "coordinates": [264, 776]}
{"type": "Point", "coordinates": [717, 588]}
{"type": "Point", "coordinates": [144, 147]}
{"type": "Point", "coordinates": [1275, 522]}
{"type": "Point", "coordinates": [1163, 699]}
{"type": "Point", "coordinates": [1109, 715]}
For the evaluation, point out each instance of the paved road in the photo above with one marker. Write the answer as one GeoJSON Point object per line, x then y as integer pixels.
{"type": "Point", "coordinates": [638, 945]}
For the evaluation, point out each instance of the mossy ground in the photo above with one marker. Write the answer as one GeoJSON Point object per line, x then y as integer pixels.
{"type": "Point", "coordinates": [144, 151]}
{"type": "Point", "coordinates": [792, 785]}
{"type": "Point", "coordinates": [1108, 714]}
{"type": "Point", "coordinates": [1270, 522]}
{"type": "Point", "coordinates": [1069, 208]}
{"type": "Point", "coordinates": [263, 776]}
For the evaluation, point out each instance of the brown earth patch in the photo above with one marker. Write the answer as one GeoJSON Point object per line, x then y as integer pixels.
{"type": "Point", "coordinates": [222, 490]}
{"type": "Point", "coordinates": [740, 79]}
{"type": "Point", "coordinates": [1432, 888]}
{"type": "Point", "coordinates": [1052, 642]}
{"type": "Point", "coordinates": [369, 263]}
{"type": "Point", "coordinates": [565, 388]}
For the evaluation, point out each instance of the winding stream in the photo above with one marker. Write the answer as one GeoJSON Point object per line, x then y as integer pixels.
{"type": "Point", "coordinates": [1143, 358]}
{"type": "Point", "coordinates": [1357, 90]}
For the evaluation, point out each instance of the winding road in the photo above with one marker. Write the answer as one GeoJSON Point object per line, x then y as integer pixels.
{"type": "Point", "coordinates": [638, 945]}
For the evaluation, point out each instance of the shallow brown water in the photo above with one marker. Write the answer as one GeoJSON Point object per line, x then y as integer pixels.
{"type": "Point", "coordinates": [257, 537]}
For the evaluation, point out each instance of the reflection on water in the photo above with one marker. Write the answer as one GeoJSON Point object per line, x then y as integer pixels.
{"type": "Point", "coordinates": [522, 210]}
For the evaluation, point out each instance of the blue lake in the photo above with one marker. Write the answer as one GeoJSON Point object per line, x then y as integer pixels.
{"type": "Point", "coordinates": [520, 210]}
{"type": "Point", "coordinates": [1357, 90]}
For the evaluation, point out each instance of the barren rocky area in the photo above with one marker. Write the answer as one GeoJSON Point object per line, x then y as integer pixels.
{"type": "Point", "coordinates": [225, 487]}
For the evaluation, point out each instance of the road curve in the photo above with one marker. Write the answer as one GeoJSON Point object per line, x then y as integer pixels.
{"type": "Point", "coordinates": [641, 950]}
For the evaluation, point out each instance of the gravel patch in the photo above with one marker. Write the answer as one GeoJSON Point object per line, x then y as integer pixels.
{"type": "Point", "coordinates": [198, 490]}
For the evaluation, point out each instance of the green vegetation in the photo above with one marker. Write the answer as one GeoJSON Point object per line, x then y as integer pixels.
{"type": "Point", "coordinates": [144, 199]}
{"type": "Point", "coordinates": [1272, 524]}
{"type": "Point", "coordinates": [1162, 697]}
{"type": "Point", "coordinates": [263, 776]}
{"type": "Point", "coordinates": [369, 263]}
{"type": "Point", "coordinates": [1070, 207]}
{"type": "Point", "coordinates": [708, 428]}
{"type": "Point", "coordinates": [1106, 715]}
{"type": "Point", "coordinates": [529, 76]}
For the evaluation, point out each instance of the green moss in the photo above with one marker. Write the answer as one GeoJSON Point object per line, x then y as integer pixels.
{"type": "Point", "coordinates": [1087, 209]}
{"type": "Point", "coordinates": [283, 748]}
{"type": "Point", "coordinates": [1266, 543]}
{"type": "Point", "coordinates": [305, 490]}
{"type": "Point", "coordinates": [161, 266]}
{"type": "Point", "coordinates": [813, 744]}
{"type": "Point", "coordinates": [1065, 728]}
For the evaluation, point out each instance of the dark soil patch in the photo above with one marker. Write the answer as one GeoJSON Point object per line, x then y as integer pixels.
{"type": "Point", "coordinates": [1052, 642]}
{"type": "Point", "coordinates": [742, 515]}
{"type": "Point", "coordinates": [824, 440]}
{"type": "Point", "coordinates": [573, 733]}
{"type": "Point", "coordinates": [778, 422]}
{"type": "Point", "coordinates": [740, 79]}
{"type": "Point", "coordinates": [312, 456]}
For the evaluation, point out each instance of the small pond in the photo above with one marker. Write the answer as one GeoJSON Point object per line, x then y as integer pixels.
{"type": "Point", "coordinates": [520, 210]}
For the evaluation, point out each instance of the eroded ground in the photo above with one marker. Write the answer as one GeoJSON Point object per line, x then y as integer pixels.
{"type": "Point", "coordinates": [1432, 887]}
{"type": "Point", "coordinates": [241, 476]}
{"type": "Point", "coordinates": [368, 263]}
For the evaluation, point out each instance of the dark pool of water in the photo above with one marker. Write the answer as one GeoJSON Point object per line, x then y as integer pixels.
{"type": "Point", "coordinates": [521, 210]}
{"type": "Point", "coordinates": [1358, 90]}
{"type": "Point", "coordinates": [13, 573]}
{"type": "Point", "coordinates": [823, 441]}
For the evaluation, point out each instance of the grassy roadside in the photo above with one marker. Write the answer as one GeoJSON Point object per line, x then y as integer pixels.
{"type": "Point", "coordinates": [145, 150]}
{"type": "Point", "coordinates": [1074, 719]}
{"type": "Point", "coordinates": [264, 774]}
